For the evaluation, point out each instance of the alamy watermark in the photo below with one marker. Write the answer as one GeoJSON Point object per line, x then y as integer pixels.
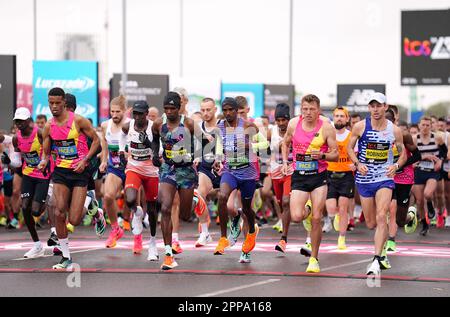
{"type": "Point", "coordinates": [74, 278]}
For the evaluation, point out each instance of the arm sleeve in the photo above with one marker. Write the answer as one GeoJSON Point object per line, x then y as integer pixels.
{"type": "Point", "coordinates": [16, 159]}
{"type": "Point", "coordinates": [259, 142]}
{"type": "Point", "coordinates": [443, 151]}
{"type": "Point", "coordinates": [415, 157]}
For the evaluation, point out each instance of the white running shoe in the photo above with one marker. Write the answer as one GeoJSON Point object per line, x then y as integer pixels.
{"type": "Point", "coordinates": [146, 222]}
{"type": "Point", "coordinates": [447, 221]}
{"type": "Point", "coordinates": [203, 240]}
{"type": "Point", "coordinates": [327, 226]}
{"type": "Point", "coordinates": [152, 251]}
{"type": "Point", "coordinates": [35, 252]}
{"type": "Point", "coordinates": [374, 268]}
{"type": "Point", "coordinates": [136, 223]}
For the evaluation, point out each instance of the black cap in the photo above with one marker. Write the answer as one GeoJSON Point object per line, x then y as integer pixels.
{"type": "Point", "coordinates": [172, 98]}
{"type": "Point", "coordinates": [282, 111]}
{"type": "Point", "coordinates": [230, 101]}
{"type": "Point", "coordinates": [140, 106]}
{"type": "Point", "coordinates": [71, 101]}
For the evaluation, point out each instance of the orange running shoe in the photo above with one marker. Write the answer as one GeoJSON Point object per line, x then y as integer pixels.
{"type": "Point", "coordinates": [126, 225]}
{"type": "Point", "coordinates": [176, 247]}
{"type": "Point", "coordinates": [223, 243]}
{"type": "Point", "coordinates": [217, 220]}
{"type": "Point", "coordinates": [114, 235]}
{"type": "Point", "coordinates": [169, 263]}
{"type": "Point", "coordinates": [281, 246]}
{"type": "Point", "coordinates": [250, 240]}
{"type": "Point", "coordinates": [137, 247]}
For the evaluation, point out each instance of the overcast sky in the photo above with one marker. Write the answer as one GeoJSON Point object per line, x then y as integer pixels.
{"type": "Point", "coordinates": [345, 41]}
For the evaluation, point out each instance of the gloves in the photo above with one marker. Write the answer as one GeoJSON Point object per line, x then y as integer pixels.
{"type": "Point", "coordinates": [156, 161]}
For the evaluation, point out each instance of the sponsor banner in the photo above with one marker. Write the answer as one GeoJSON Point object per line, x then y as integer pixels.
{"type": "Point", "coordinates": [253, 92]}
{"type": "Point", "coordinates": [356, 97]}
{"type": "Point", "coordinates": [104, 105]}
{"type": "Point", "coordinates": [7, 90]}
{"type": "Point", "coordinates": [25, 96]}
{"type": "Point", "coordinates": [76, 77]}
{"type": "Point", "coordinates": [425, 48]}
{"type": "Point", "coordinates": [151, 88]}
{"type": "Point", "coordinates": [275, 94]}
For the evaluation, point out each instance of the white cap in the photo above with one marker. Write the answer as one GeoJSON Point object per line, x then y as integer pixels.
{"type": "Point", "coordinates": [22, 113]}
{"type": "Point", "coordinates": [181, 91]}
{"type": "Point", "coordinates": [378, 96]}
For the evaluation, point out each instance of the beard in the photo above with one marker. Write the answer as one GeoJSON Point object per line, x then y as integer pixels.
{"type": "Point", "coordinates": [339, 126]}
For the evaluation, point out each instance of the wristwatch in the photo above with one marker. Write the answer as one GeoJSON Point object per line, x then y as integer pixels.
{"type": "Point", "coordinates": [397, 166]}
{"type": "Point", "coordinates": [323, 156]}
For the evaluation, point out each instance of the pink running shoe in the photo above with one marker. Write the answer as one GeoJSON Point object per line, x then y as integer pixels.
{"type": "Point", "coordinates": [114, 235]}
{"type": "Point", "coordinates": [137, 247]}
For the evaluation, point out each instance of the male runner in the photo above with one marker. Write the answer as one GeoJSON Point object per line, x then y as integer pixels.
{"type": "Point", "coordinates": [140, 171]}
{"type": "Point", "coordinates": [313, 142]}
{"type": "Point", "coordinates": [41, 120]}
{"type": "Point", "coordinates": [177, 174]}
{"type": "Point", "coordinates": [341, 181]}
{"type": "Point", "coordinates": [69, 133]}
{"type": "Point", "coordinates": [375, 172]}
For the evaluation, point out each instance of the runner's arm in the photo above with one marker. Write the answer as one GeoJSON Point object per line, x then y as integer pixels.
{"type": "Point", "coordinates": [156, 138]}
{"type": "Point", "coordinates": [15, 156]}
{"type": "Point", "coordinates": [46, 144]}
{"type": "Point", "coordinates": [87, 128]}
{"type": "Point", "coordinates": [104, 143]}
{"type": "Point", "coordinates": [356, 134]}
{"type": "Point", "coordinates": [415, 153]}
{"type": "Point", "coordinates": [123, 137]}
{"type": "Point", "coordinates": [332, 155]}
{"type": "Point", "coordinates": [399, 144]}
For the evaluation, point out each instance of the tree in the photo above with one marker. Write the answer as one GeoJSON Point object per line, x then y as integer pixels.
{"type": "Point", "coordinates": [440, 109]}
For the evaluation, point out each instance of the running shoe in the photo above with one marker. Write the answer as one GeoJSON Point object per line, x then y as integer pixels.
{"type": "Point", "coordinates": [306, 250]}
{"type": "Point", "coordinates": [14, 224]}
{"type": "Point", "coordinates": [176, 247]}
{"type": "Point", "coordinates": [70, 227]}
{"type": "Point", "coordinates": [431, 213]}
{"type": "Point", "coordinates": [57, 250]}
{"type": "Point", "coordinates": [114, 235]}
{"type": "Point", "coordinates": [37, 222]}
{"type": "Point", "coordinates": [447, 221]}
{"type": "Point", "coordinates": [384, 261]}
{"type": "Point", "coordinates": [53, 240]}
{"type": "Point", "coordinates": [93, 207]}
{"type": "Point", "coordinates": [64, 264]}
{"type": "Point", "coordinates": [250, 240]}
{"type": "Point", "coordinates": [169, 263]}
{"type": "Point", "coordinates": [374, 268]}
{"type": "Point", "coordinates": [146, 222]}
{"type": "Point", "coordinates": [425, 228]}
{"type": "Point", "coordinates": [391, 246]}
{"type": "Point", "coordinates": [361, 217]}
{"type": "Point", "coordinates": [87, 220]}
{"type": "Point", "coordinates": [245, 258]}
{"type": "Point", "coordinates": [351, 225]}
{"type": "Point", "coordinates": [440, 221]}
{"type": "Point", "coordinates": [278, 226]}
{"type": "Point", "coordinates": [307, 222]}
{"type": "Point", "coordinates": [327, 226]}
{"type": "Point", "coordinates": [35, 252]}
{"type": "Point", "coordinates": [313, 266]}
{"type": "Point", "coordinates": [411, 226]}
{"type": "Point", "coordinates": [235, 230]}
{"type": "Point", "coordinates": [100, 223]}
{"type": "Point", "coordinates": [152, 251]}
{"type": "Point", "coordinates": [137, 246]}
{"type": "Point", "coordinates": [203, 240]}
{"type": "Point", "coordinates": [223, 243]}
{"type": "Point", "coordinates": [136, 222]}
{"type": "Point", "coordinates": [341, 243]}
{"type": "Point", "coordinates": [126, 225]}
{"type": "Point", "coordinates": [336, 222]}
{"type": "Point", "coordinates": [217, 220]}
{"type": "Point", "coordinates": [3, 221]}
{"type": "Point", "coordinates": [281, 246]}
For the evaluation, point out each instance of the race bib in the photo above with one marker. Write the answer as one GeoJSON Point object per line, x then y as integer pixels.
{"type": "Point", "coordinates": [377, 153]}
{"type": "Point", "coordinates": [114, 155]}
{"type": "Point", "coordinates": [306, 165]}
{"type": "Point", "coordinates": [139, 152]}
{"type": "Point", "coordinates": [426, 165]}
{"type": "Point", "coordinates": [66, 149]}
{"type": "Point", "coordinates": [31, 159]}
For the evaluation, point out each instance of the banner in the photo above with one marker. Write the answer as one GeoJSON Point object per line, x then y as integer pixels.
{"type": "Point", "coordinates": [356, 97]}
{"type": "Point", "coordinates": [253, 92]}
{"type": "Point", "coordinates": [425, 48]}
{"type": "Point", "coordinates": [275, 94]}
{"type": "Point", "coordinates": [151, 88]}
{"type": "Point", "coordinates": [7, 90]}
{"type": "Point", "coordinates": [75, 77]}
{"type": "Point", "coordinates": [103, 112]}
{"type": "Point", "coordinates": [25, 96]}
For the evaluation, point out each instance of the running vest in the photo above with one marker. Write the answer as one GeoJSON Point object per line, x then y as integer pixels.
{"type": "Point", "coordinates": [113, 145]}
{"type": "Point", "coordinates": [303, 143]}
{"type": "Point", "coordinates": [239, 160]}
{"type": "Point", "coordinates": [140, 156]}
{"type": "Point", "coordinates": [404, 175]}
{"type": "Point", "coordinates": [31, 150]}
{"type": "Point", "coordinates": [431, 148]}
{"type": "Point", "coordinates": [70, 145]}
{"type": "Point", "coordinates": [375, 151]}
{"type": "Point", "coordinates": [344, 163]}
{"type": "Point", "coordinates": [446, 163]}
{"type": "Point", "coordinates": [208, 148]}
{"type": "Point", "coordinates": [276, 163]}
{"type": "Point", "coordinates": [174, 142]}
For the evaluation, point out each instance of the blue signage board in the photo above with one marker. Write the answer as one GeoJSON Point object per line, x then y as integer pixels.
{"type": "Point", "coordinates": [253, 92]}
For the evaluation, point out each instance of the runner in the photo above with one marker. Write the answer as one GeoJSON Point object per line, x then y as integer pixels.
{"type": "Point", "coordinates": [140, 171]}
{"type": "Point", "coordinates": [69, 133]}
{"type": "Point", "coordinates": [176, 133]}
{"type": "Point", "coordinates": [341, 181]}
{"type": "Point", "coordinates": [235, 149]}
{"type": "Point", "coordinates": [375, 171]}
{"type": "Point", "coordinates": [313, 142]}
{"type": "Point", "coordinates": [427, 172]}
{"type": "Point", "coordinates": [111, 164]}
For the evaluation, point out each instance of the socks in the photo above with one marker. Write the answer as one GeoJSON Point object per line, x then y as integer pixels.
{"type": "Point", "coordinates": [308, 240]}
{"type": "Point", "coordinates": [38, 244]}
{"type": "Point", "coordinates": [204, 228]}
{"type": "Point", "coordinates": [391, 239]}
{"type": "Point", "coordinates": [174, 236]}
{"type": "Point", "coordinates": [168, 249]}
{"type": "Point", "coordinates": [139, 212]}
{"type": "Point", "coordinates": [53, 230]}
{"type": "Point", "coordinates": [64, 243]}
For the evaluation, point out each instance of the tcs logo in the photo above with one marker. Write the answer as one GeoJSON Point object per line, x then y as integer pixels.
{"type": "Point", "coordinates": [435, 48]}
{"type": "Point", "coordinates": [416, 48]}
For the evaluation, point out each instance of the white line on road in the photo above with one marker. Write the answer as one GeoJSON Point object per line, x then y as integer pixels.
{"type": "Point", "coordinates": [344, 265]}
{"type": "Point", "coordinates": [238, 288]}
{"type": "Point", "coordinates": [49, 255]}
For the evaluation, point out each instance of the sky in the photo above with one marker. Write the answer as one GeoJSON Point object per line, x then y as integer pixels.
{"type": "Point", "coordinates": [247, 41]}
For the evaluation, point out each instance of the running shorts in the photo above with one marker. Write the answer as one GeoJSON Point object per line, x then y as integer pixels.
{"type": "Point", "coordinates": [182, 177]}
{"type": "Point", "coordinates": [370, 190]}
{"type": "Point", "coordinates": [307, 183]}
{"type": "Point", "coordinates": [341, 184]}
{"type": "Point", "coordinates": [118, 172]}
{"type": "Point", "coordinates": [215, 179]}
{"type": "Point", "coordinates": [150, 184]}
{"type": "Point", "coordinates": [246, 186]}
{"type": "Point", "coordinates": [282, 187]}
{"type": "Point", "coordinates": [35, 188]}
{"type": "Point", "coordinates": [421, 177]}
{"type": "Point", "coordinates": [69, 178]}
{"type": "Point", "coordinates": [401, 193]}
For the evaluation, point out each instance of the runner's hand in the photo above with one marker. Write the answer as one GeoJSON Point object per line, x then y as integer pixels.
{"type": "Point", "coordinates": [156, 161]}
{"type": "Point", "coordinates": [362, 169]}
{"type": "Point", "coordinates": [81, 166]}
{"type": "Point", "coordinates": [102, 167]}
{"type": "Point", "coordinates": [42, 165]}
{"type": "Point", "coordinates": [123, 161]}
{"type": "Point", "coordinates": [284, 168]}
{"type": "Point", "coordinates": [217, 166]}
{"type": "Point", "coordinates": [391, 171]}
{"type": "Point", "coordinates": [437, 165]}
{"type": "Point", "coordinates": [316, 155]}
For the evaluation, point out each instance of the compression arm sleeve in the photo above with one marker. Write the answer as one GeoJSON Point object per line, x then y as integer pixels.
{"type": "Point", "coordinates": [415, 157]}
{"type": "Point", "coordinates": [259, 142]}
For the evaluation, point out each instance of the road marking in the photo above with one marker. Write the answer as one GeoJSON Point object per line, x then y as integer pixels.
{"type": "Point", "coordinates": [49, 255]}
{"type": "Point", "coordinates": [228, 290]}
{"type": "Point", "coordinates": [344, 265]}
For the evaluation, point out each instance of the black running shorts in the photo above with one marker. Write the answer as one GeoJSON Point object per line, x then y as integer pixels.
{"type": "Point", "coordinates": [401, 193]}
{"type": "Point", "coordinates": [341, 184]}
{"type": "Point", "coordinates": [421, 176]}
{"type": "Point", "coordinates": [69, 178]}
{"type": "Point", "coordinates": [35, 188]}
{"type": "Point", "coordinates": [307, 183]}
